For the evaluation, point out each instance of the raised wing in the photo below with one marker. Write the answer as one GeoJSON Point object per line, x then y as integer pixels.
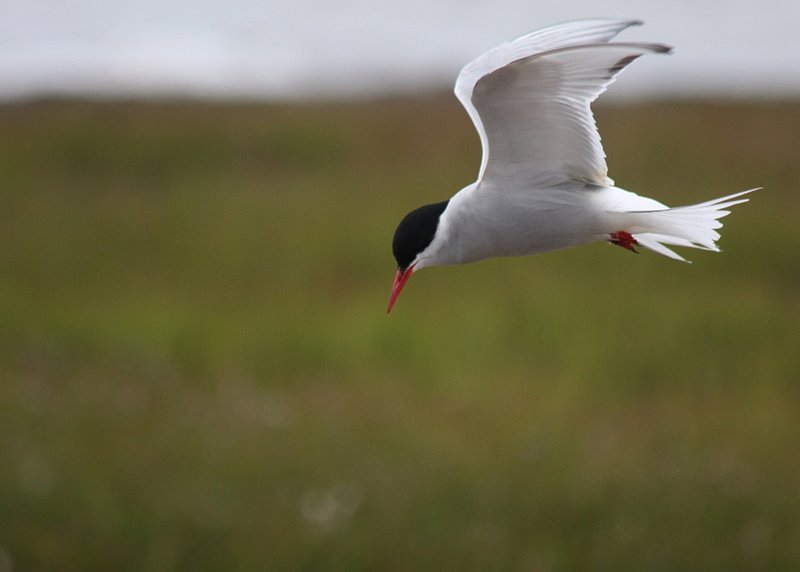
{"type": "Point", "coordinates": [530, 101]}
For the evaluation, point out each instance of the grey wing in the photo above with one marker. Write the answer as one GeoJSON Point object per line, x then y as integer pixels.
{"type": "Point", "coordinates": [536, 114]}
{"type": "Point", "coordinates": [529, 99]}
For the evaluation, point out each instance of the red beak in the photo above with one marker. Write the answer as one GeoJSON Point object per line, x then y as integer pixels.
{"type": "Point", "coordinates": [400, 280]}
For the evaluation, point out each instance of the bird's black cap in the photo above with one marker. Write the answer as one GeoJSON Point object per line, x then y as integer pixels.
{"type": "Point", "coordinates": [415, 232]}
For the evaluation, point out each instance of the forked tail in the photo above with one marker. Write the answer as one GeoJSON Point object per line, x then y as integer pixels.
{"type": "Point", "coordinates": [693, 226]}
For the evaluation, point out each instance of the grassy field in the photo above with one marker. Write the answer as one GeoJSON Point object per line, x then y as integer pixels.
{"type": "Point", "coordinates": [197, 371]}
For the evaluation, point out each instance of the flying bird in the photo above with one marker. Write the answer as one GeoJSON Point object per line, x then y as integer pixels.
{"type": "Point", "coordinates": [543, 183]}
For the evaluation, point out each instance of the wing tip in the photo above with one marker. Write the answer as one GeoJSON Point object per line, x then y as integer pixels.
{"type": "Point", "coordinates": [622, 63]}
{"type": "Point", "coordinates": [619, 21]}
{"type": "Point", "coordinates": [653, 47]}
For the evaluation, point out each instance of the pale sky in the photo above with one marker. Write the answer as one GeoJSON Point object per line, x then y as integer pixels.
{"type": "Point", "coordinates": [318, 48]}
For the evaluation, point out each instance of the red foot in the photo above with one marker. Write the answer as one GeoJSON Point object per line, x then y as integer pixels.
{"type": "Point", "coordinates": [623, 239]}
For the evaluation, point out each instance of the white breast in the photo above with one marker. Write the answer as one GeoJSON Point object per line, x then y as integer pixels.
{"type": "Point", "coordinates": [485, 223]}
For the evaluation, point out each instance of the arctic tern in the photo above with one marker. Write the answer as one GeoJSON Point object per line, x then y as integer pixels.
{"type": "Point", "coordinates": [543, 183]}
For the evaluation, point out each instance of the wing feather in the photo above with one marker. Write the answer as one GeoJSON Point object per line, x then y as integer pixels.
{"type": "Point", "coordinates": [536, 113]}
{"type": "Point", "coordinates": [529, 100]}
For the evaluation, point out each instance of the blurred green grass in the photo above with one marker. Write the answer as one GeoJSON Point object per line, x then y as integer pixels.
{"type": "Point", "coordinates": [198, 372]}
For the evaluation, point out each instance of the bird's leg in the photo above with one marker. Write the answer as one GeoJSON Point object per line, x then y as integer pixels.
{"type": "Point", "coordinates": [623, 239]}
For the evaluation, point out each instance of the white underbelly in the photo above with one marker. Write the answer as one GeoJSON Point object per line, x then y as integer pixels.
{"type": "Point", "coordinates": [490, 224]}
